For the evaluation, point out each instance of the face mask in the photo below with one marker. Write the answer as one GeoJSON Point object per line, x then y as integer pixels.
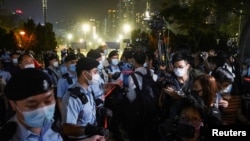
{"type": "Point", "coordinates": [195, 92]}
{"type": "Point", "coordinates": [29, 66]}
{"type": "Point", "coordinates": [195, 123]}
{"type": "Point", "coordinates": [115, 61]}
{"type": "Point", "coordinates": [15, 61]}
{"type": "Point", "coordinates": [103, 58]}
{"type": "Point", "coordinates": [56, 64]}
{"type": "Point", "coordinates": [145, 65]}
{"type": "Point", "coordinates": [105, 52]}
{"type": "Point", "coordinates": [95, 78]}
{"type": "Point", "coordinates": [90, 82]}
{"type": "Point", "coordinates": [227, 90]}
{"type": "Point", "coordinates": [72, 67]}
{"type": "Point", "coordinates": [179, 72]}
{"type": "Point", "coordinates": [244, 73]}
{"type": "Point", "coordinates": [100, 66]}
{"type": "Point", "coordinates": [39, 117]}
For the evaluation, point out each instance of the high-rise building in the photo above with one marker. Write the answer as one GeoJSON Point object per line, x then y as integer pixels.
{"type": "Point", "coordinates": [44, 6]}
{"type": "Point", "coordinates": [126, 11]}
{"type": "Point", "coordinates": [111, 25]}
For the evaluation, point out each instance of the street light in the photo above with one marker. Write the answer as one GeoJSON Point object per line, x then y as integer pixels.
{"type": "Point", "coordinates": [126, 28]}
{"type": "Point", "coordinates": [85, 29]}
{"type": "Point", "coordinates": [22, 33]}
{"type": "Point", "coordinates": [70, 36]}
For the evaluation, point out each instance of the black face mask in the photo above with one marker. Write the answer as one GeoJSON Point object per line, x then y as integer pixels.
{"type": "Point", "coordinates": [195, 92]}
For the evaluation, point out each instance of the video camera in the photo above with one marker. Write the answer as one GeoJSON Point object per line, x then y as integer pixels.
{"type": "Point", "coordinates": [157, 22]}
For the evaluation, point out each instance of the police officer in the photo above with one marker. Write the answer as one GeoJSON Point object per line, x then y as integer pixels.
{"type": "Point", "coordinates": [98, 82]}
{"type": "Point", "coordinates": [114, 70]}
{"type": "Point", "coordinates": [31, 96]}
{"type": "Point", "coordinates": [79, 108]}
{"type": "Point", "coordinates": [68, 78]}
{"type": "Point", "coordinates": [52, 69]}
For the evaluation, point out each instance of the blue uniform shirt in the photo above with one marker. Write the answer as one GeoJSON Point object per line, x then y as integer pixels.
{"type": "Point", "coordinates": [75, 112]}
{"type": "Point", "coordinates": [5, 75]}
{"type": "Point", "coordinates": [63, 85]}
{"type": "Point", "coordinates": [23, 134]}
{"type": "Point", "coordinates": [98, 91]}
{"type": "Point", "coordinates": [113, 69]}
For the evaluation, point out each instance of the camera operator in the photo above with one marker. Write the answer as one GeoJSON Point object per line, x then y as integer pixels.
{"type": "Point", "coordinates": [176, 86]}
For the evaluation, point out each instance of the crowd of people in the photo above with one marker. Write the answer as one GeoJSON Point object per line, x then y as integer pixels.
{"type": "Point", "coordinates": [91, 97]}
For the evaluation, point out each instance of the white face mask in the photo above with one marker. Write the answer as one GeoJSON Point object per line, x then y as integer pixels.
{"type": "Point", "coordinates": [95, 78]}
{"type": "Point", "coordinates": [105, 51]}
{"type": "Point", "coordinates": [15, 61]}
{"type": "Point", "coordinates": [115, 61]}
{"type": "Point", "coordinates": [90, 82]}
{"type": "Point", "coordinates": [103, 58]}
{"type": "Point", "coordinates": [179, 72]}
{"type": "Point", "coordinates": [100, 66]}
{"type": "Point", "coordinates": [145, 65]}
{"type": "Point", "coordinates": [244, 73]}
{"type": "Point", "coordinates": [56, 64]}
{"type": "Point", "coordinates": [29, 66]}
{"type": "Point", "coordinates": [227, 90]}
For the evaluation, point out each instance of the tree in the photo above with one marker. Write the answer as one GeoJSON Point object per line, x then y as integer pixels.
{"type": "Point", "coordinates": [205, 21]}
{"type": "Point", "coordinates": [3, 32]}
{"type": "Point", "coordinates": [45, 37]}
{"type": "Point", "coordinates": [29, 40]}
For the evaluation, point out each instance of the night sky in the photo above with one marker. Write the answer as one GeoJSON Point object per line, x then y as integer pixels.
{"type": "Point", "coordinates": [70, 9]}
{"type": "Point", "coordinates": [63, 9]}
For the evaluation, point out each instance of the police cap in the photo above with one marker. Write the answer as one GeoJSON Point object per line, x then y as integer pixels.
{"type": "Point", "coordinates": [70, 57]}
{"type": "Point", "coordinates": [94, 54]}
{"type": "Point", "coordinates": [86, 63]}
{"type": "Point", "coordinates": [26, 83]}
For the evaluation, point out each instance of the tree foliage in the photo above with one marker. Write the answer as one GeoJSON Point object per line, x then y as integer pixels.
{"type": "Point", "coordinates": [203, 22]}
{"type": "Point", "coordinates": [35, 37]}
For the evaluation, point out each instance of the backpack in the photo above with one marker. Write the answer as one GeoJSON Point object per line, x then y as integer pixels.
{"type": "Point", "coordinates": [147, 98]}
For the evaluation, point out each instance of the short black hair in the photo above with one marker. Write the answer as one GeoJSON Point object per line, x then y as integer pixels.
{"type": "Point", "coordinates": [20, 58]}
{"type": "Point", "coordinates": [139, 57]}
{"type": "Point", "coordinates": [195, 103]}
{"type": "Point", "coordinates": [180, 56]}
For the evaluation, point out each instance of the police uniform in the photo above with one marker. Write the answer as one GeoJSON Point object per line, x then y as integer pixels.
{"type": "Point", "coordinates": [53, 71]}
{"type": "Point", "coordinates": [31, 82]}
{"type": "Point", "coordinates": [67, 80]}
{"type": "Point", "coordinates": [78, 104]}
{"type": "Point", "coordinates": [64, 83]}
{"type": "Point", "coordinates": [76, 112]}
{"type": "Point", "coordinates": [5, 75]}
{"type": "Point", "coordinates": [97, 85]}
{"type": "Point", "coordinates": [22, 134]}
{"type": "Point", "coordinates": [113, 68]}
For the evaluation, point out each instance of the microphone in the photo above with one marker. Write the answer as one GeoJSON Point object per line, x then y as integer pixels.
{"type": "Point", "coordinates": [8, 130]}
